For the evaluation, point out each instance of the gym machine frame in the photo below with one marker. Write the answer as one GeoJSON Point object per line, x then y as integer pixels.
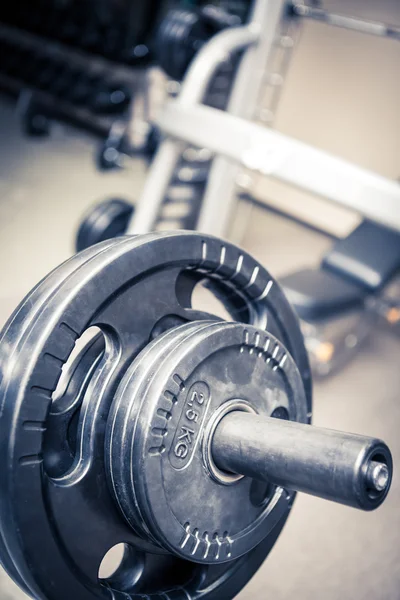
{"type": "Point", "coordinates": [239, 143]}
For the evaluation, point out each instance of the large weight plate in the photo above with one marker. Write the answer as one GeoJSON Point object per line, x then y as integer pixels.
{"type": "Point", "coordinates": [57, 529]}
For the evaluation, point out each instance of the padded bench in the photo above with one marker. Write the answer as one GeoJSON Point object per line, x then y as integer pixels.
{"type": "Point", "coordinates": [358, 266]}
{"type": "Point", "coordinates": [317, 293]}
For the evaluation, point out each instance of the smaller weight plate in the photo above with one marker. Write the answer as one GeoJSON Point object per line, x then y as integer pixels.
{"type": "Point", "coordinates": [163, 421]}
{"type": "Point", "coordinates": [104, 221]}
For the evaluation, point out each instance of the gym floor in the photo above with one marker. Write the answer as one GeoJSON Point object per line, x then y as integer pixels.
{"type": "Point", "coordinates": [325, 551]}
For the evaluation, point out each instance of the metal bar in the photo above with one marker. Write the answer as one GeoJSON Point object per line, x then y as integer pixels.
{"type": "Point", "coordinates": [155, 186]}
{"type": "Point", "coordinates": [219, 197]}
{"type": "Point", "coordinates": [211, 57]}
{"type": "Point", "coordinates": [346, 22]}
{"type": "Point", "coordinates": [350, 469]}
{"type": "Point", "coordinates": [274, 154]}
{"type": "Point", "coordinates": [203, 68]}
{"type": "Point", "coordinates": [56, 48]}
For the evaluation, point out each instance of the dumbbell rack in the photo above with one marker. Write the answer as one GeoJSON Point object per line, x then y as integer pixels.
{"type": "Point", "coordinates": [93, 113]}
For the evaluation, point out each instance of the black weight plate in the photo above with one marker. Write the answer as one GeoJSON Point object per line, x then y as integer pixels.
{"type": "Point", "coordinates": [173, 41]}
{"type": "Point", "coordinates": [104, 221]}
{"type": "Point", "coordinates": [157, 410]}
{"type": "Point", "coordinates": [129, 289]}
{"type": "Point", "coordinates": [169, 41]}
{"type": "Point", "coordinates": [162, 41]}
{"type": "Point", "coordinates": [181, 51]}
{"type": "Point", "coordinates": [159, 43]}
{"type": "Point", "coordinates": [141, 372]}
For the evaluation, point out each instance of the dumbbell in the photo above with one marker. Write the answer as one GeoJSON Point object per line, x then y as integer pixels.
{"type": "Point", "coordinates": [98, 95]}
{"type": "Point", "coordinates": [83, 88]}
{"type": "Point", "coordinates": [130, 416]}
{"type": "Point", "coordinates": [51, 67]}
{"type": "Point", "coordinates": [113, 152]}
{"type": "Point", "coordinates": [65, 79]}
{"type": "Point", "coordinates": [111, 97]}
{"type": "Point", "coordinates": [35, 119]}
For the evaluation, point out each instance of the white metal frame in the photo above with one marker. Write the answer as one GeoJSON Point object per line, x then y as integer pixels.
{"type": "Point", "coordinates": [238, 143]}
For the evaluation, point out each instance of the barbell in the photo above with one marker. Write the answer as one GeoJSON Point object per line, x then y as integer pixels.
{"type": "Point", "coordinates": [131, 415]}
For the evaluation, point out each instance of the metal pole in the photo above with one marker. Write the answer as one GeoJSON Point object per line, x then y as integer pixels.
{"type": "Point", "coordinates": [208, 60]}
{"type": "Point", "coordinates": [219, 198]}
{"type": "Point", "coordinates": [346, 468]}
{"type": "Point", "coordinates": [346, 22]}
{"type": "Point", "coordinates": [274, 154]}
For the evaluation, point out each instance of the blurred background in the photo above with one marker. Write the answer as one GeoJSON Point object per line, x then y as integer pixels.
{"type": "Point", "coordinates": [81, 86]}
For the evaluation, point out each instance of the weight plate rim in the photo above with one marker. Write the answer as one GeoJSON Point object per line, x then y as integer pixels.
{"type": "Point", "coordinates": [39, 294]}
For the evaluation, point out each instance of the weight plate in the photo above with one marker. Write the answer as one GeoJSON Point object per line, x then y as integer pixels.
{"type": "Point", "coordinates": [160, 436]}
{"type": "Point", "coordinates": [105, 220]}
{"type": "Point", "coordinates": [190, 34]}
{"type": "Point", "coordinates": [133, 289]}
{"type": "Point", "coordinates": [179, 37]}
{"type": "Point", "coordinates": [163, 47]}
{"type": "Point", "coordinates": [172, 41]}
{"type": "Point", "coordinates": [142, 371]}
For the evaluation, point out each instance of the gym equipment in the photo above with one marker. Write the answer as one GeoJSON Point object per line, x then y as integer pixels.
{"type": "Point", "coordinates": [182, 200]}
{"type": "Point", "coordinates": [35, 121]}
{"type": "Point", "coordinates": [105, 220]}
{"type": "Point", "coordinates": [113, 151]}
{"type": "Point", "coordinates": [116, 31]}
{"type": "Point", "coordinates": [183, 32]}
{"type": "Point", "coordinates": [343, 314]}
{"type": "Point", "coordinates": [64, 78]}
{"type": "Point", "coordinates": [341, 301]}
{"type": "Point", "coordinates": [85, 61]}
{"type": "Point", "coordinates": [112, 98]}
{"type": "Point", "coordinates": [52, 86]}
{"type": "Point", "coordinates": [241, 144]}
{"type": "Point", "coordinates": [317, 13]}
{"type": "Point", "coordinates": [84, 88]}
{"type": "Point", "coordinates": [129, 416]}
{"type": "Point", "coordinates": [184, 191]}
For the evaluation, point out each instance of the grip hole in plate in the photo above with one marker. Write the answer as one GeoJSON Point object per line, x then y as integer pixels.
{"type": "Point", "coordinates": [60, 438]}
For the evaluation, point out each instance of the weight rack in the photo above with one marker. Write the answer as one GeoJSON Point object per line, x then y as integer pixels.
{"type": "Point", "coordinates": [240, 143]}
{"type": "Point", "coordinates": [57, 71]}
